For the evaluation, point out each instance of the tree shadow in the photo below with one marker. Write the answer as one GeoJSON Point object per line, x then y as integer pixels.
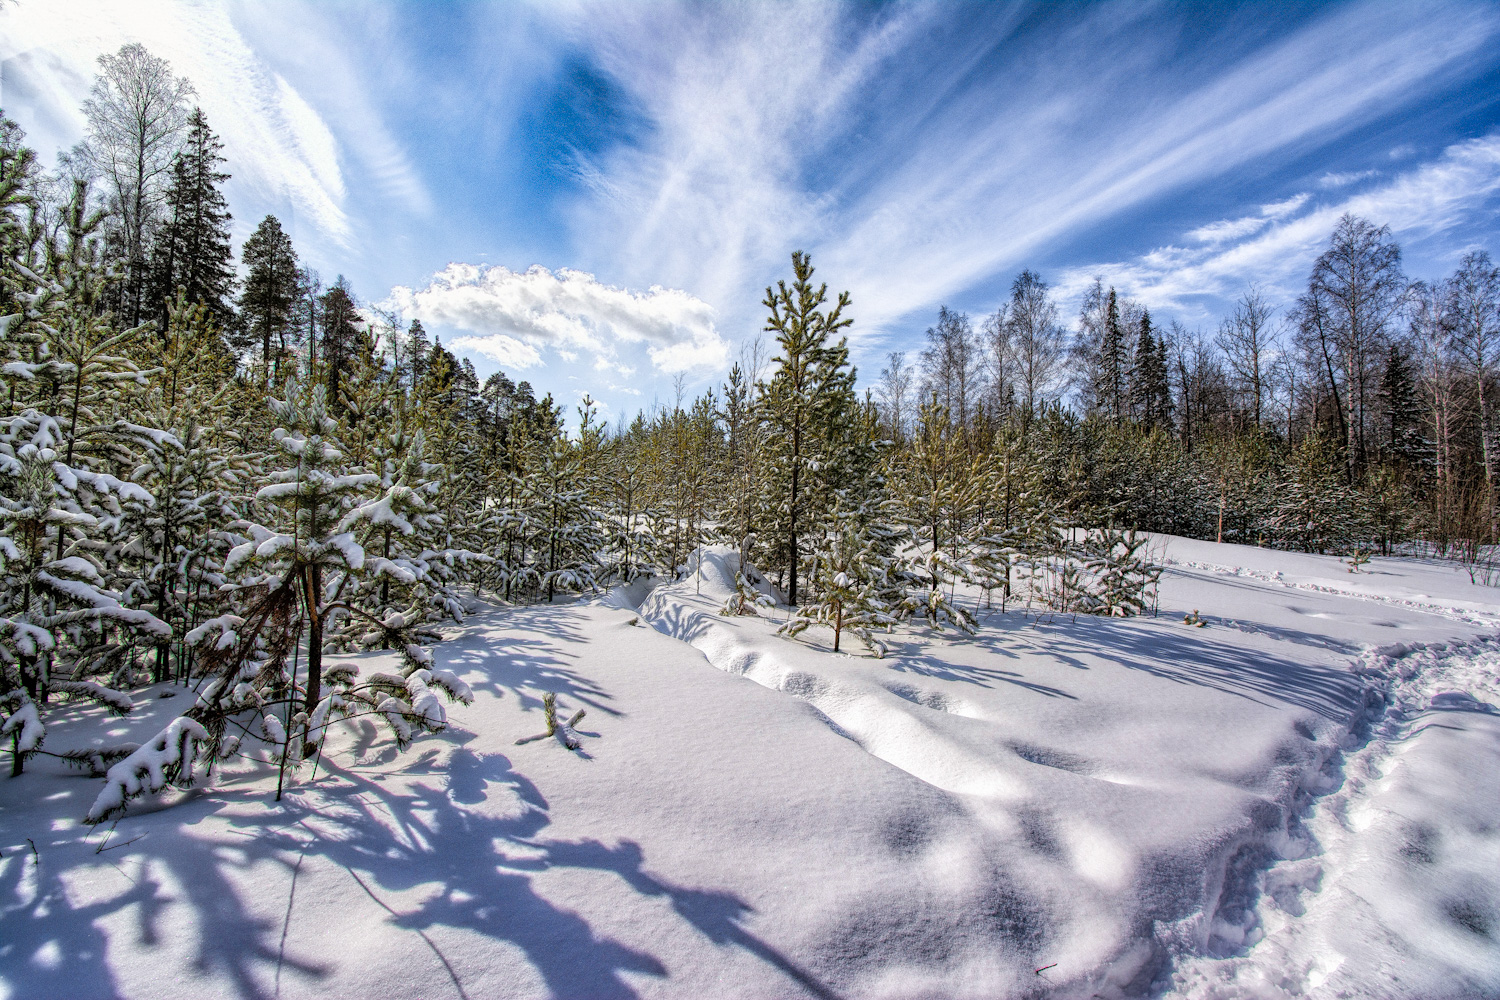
{"type": "Point", "coordinates": [476, 833]}
{"type": "Point", "coordinates": [1185, 656]}
{"type": "Point", "coordinates": [523, 665]}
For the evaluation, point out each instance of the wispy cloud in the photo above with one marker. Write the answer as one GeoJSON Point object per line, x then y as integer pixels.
{"type": "Point", "coordinates": [508, 316]}
{"type": "Point", "coordinates": [759, 149]}
{"type": "Point", "coordinates": [717, 189]}
{"type": "Point", "coordinates": [1344, 179]}
{"type": "Point", "coordinates": [282, 150]}
{"type": "Point", "coordinates": [1233, 229]}
{"type": "Point", "coordinates": [286, 144]}
{"type": "Point", "coordinates": [1422, 202]}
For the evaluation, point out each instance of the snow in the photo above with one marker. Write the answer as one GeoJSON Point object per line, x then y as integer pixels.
{"type": "Point", "coordinates": [1301, 798]}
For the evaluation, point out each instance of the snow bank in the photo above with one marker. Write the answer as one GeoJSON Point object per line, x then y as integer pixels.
{"type": "Point", "coordinates": [1155, 831]}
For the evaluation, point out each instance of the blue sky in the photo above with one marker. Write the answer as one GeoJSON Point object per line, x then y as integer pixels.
{"type": "Point", "coordinates": [594, 196]}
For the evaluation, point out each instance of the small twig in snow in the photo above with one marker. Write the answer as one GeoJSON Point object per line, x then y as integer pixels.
{"type": "Point", "coordinates": [562, 730]}
{"type": "Point", "coordinates": [1045, 968]}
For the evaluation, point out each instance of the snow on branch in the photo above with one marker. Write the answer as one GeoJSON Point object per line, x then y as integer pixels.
{"type": "Point", "coordinates": [167, 758]}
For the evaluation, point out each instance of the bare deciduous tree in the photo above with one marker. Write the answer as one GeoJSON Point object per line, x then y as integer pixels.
{"type": "Point", "coordinates": [1473, 307]}
{"type": "Point", "coordinates": [894, 393]}
{"type": "Point", "coordinates": [951, 364]}
{"type": "Point", "coordinates": [1248, 339]}
{"type": "Point", "coordinates": [1356, 288]}
{"type": "Point", "coordinates": [137, 115]}
{"type": "Point", "coordinates": [1036, 342]}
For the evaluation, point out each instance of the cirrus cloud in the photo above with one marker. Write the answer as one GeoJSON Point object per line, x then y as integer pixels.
{"type": "Point", "coordinates": [509, 316]}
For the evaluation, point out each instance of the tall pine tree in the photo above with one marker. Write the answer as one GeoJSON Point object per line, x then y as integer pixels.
{"type": "Point", "coordinates": [271, 294]}
{"type": "Point", "coordinates": [192, 248]}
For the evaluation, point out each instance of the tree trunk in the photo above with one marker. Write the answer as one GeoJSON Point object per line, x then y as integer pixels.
{"type": "Point", "coordinates": [313, 580]}
{"type": "Point", "coordinates": [796, 467]}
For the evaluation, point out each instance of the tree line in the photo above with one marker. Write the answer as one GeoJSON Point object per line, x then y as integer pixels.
{"type": "Point", "coordinates": [220, 472]}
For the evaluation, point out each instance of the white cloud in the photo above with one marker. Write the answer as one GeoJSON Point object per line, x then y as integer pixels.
{"type": "Point", "coordinates": [1232, 229]}
{"type": "Point", "coordinates": [717, 191]}
{"type": "Point", "coordinates": [508, 316]}
{"type": "Point", "coordinates": [1424, 201]}
{"type": "Point", "coordinates": [1280, 209]}
{"type": "Point", "coordinates": [281, 149]}
{"type": "Point", "coordinates": [288, 142]}
{"type": "Point", "coordinates": [1338, 180]}
{"type": "Point", "coordinates": [1227, 229]}
{"type": "Point", "coordinates": [967, 173]}
{"type": "Point", "coordinates": [507, 352]}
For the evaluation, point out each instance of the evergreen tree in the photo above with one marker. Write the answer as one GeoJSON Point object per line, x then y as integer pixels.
{"type": "Point", "coordinates": [1149, 391]}
{"type": "Point", "coordinates": [567, 535]}
{"type": "Point", "coordinates": [848, 574]}
{"type": "Point", "coordinates": [1112, 362]}
{"type": "Point", "coordinates": [811, 390]}
{"type": "Point", "coordinates": [343, 339]}
{"type": "Point", "coordinates": [1402, 408]}
{"type": "Point", "coordinates": [192, 250]}
{"type": "Point", "coordinates": [270, 295]}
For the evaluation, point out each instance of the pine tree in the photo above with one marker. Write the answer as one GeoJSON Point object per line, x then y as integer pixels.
{"type": "Point", "coordinates": [933, 485]}
{"type": "Point", "coordinates": [270, 295]}
{"type": "Point", "coordinates": [174, 548]}
{"type": "Point", "coordinates": [811, 389]}
{"type": "Point", "coordinates": [61, 623]}
{"type": "Point", "coordinates": [306, 543]}
{"type": "Point", "coordinates": [848, 573]}
{"type": "Point", "coordinates": [191, 250]}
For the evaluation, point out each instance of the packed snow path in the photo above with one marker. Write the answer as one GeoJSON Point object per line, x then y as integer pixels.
{"type": "Point", "coordinates": [1267, 806]}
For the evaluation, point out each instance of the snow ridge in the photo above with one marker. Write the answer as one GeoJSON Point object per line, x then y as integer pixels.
{"type": "Point", "coordinates": [1275, 893]}
{"type": "Point", "coordinates": [1461, 611]}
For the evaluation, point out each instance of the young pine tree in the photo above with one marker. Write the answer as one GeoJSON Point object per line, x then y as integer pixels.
{"type": "Point", "coordinates": [809, 393]}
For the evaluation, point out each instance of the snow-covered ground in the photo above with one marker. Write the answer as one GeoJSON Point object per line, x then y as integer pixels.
{"type": "Point", "coordinates": [1301, 798]}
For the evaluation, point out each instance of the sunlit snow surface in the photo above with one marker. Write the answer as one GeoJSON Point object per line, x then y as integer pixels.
{"type": "Point", "coordinates": [1301, 798]}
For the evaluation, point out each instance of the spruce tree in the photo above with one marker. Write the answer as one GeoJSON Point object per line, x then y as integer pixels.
{"type": "Point", "coordinates": [1149, 391]}
{"type": "Point", "coordinates": [1402, 439]}
{"type": "Point", "coordinates": [192, 247]}
{"type": "Point", "coordinates": [1112, 362]}
{"type": "Point", "coordinates": [343, 338]}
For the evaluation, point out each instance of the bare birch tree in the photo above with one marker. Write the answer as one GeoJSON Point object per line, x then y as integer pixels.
{"type": "Point", "coordinates": [137, 114]}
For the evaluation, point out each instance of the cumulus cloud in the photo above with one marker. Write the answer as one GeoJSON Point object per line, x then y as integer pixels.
{"type": "Point", "coordinates": [509, 316]}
